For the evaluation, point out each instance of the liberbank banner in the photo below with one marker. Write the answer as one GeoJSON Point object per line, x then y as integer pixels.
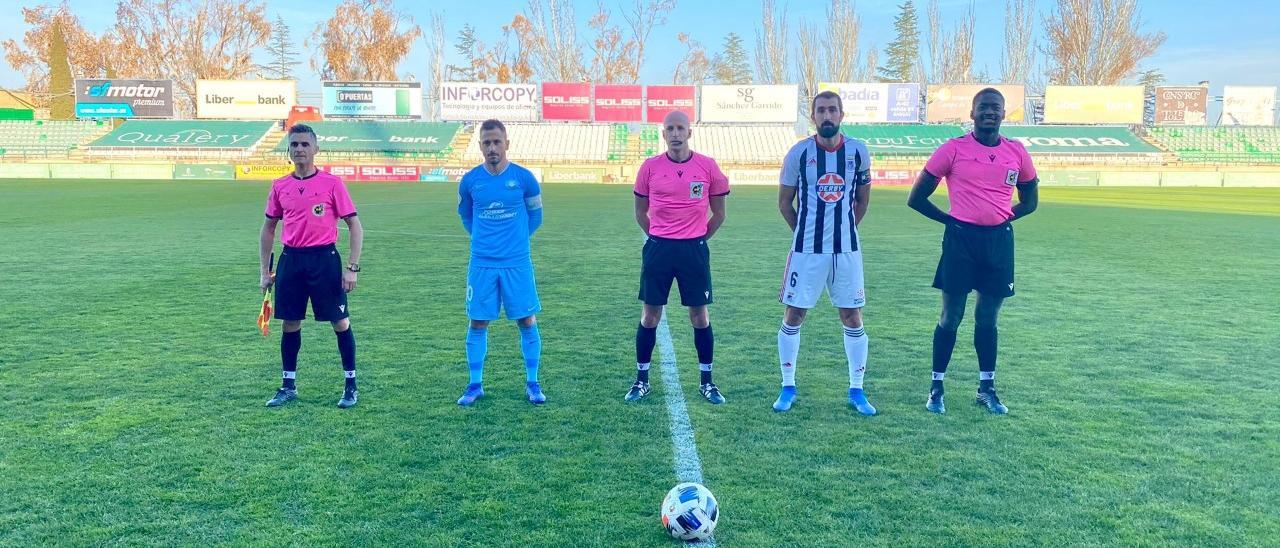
{"type": "Point", "coordinates": [1093, 104]}
{"type": "Point", "coordinates": [115, 98]}
{"type": "Point", "coordinates": [953, 102]}
{"type": "Point", "coordinates": [744, 103]}
{"type": "Point", "coordinates": [245, 99]}
{"type": "Point", "coordinates": [401, 100]}
{"type": "Point", "coordinates": [476, 101]}
{"type": "Point", "coordinates": [875, 103]}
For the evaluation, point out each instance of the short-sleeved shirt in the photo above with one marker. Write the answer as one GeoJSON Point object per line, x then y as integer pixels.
{"type": "Point", "coordinates": [680, 194]}
{"type": "Point", "coordinates": [310, 208]}
{"type": "Point", "coordinates": [497, 207]}
{"type": "Point", "coordinates": [825, 181]}
{"type": "Point", "coordinates": [981, 179]}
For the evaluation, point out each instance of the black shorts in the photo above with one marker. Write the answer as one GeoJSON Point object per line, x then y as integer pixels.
{"type": "Point", "coordinates": [313, 273]}
{"type": "Point", "coordinates": [976, 257]}
{"type": "Point", "coordinates": [687, 261]}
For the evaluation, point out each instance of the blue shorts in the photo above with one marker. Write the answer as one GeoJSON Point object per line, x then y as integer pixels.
{"type": "Point", "coordinates": [512, 288]}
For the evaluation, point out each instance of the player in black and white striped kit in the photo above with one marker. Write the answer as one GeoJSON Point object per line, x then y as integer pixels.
{"type": "Point", "coordinates": [829, 177]}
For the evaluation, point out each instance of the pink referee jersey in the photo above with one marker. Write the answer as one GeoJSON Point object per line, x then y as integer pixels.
{"type": "Point", "coordinates": [310, 208]}
{"type": "Point", "coordinates": [981, 179]}
{"type": "Point", "coordinates": [680, 194]}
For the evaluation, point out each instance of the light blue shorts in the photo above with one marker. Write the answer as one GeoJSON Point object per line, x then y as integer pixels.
{"type": "Point", "coordinates": [511, 288]}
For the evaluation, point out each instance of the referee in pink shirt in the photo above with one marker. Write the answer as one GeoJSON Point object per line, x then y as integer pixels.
{"type": "Point", "coordinates": [674, 192]}
{"type": "Point", "coordinates": [310, 202]}
{"type": "Point", "coordinates": [982, 170]}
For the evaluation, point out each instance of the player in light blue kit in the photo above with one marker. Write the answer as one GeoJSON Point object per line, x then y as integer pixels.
{"type": "Point", "coordinates": [501, 207]}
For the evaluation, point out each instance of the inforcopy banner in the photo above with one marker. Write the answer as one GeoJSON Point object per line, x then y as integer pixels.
{"type": "Point", "coordinates": [1093, 104]}
{"type": "Point", "coordinates": [460, 101]}
{"type": "Point", "coordinates": [566, 101]}
{"type": "Point", "coordinates": [1248, 105]}
{"type": "Point", "coordinates": [618, 103]}
{"type": "Point", "coordinates": [953, 102]}
{"type": "Point", "coordinates": [744, 103]}
{"type": "Point", "coordinates": [1181, 105]}
{"type": "Point", "coordinates": [245, 99]}
{"type": "Point", "coordinates": [662, 100]}
{"type": "Point", "coordinates": [401, 100]}
{"type": "Point", "coordinates": [875, 103]}
{"type": "Point", "coordinates": [116, 98]}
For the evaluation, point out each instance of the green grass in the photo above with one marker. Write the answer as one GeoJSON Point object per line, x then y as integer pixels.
{"type": "Point", "coordinates": [1138, 359]}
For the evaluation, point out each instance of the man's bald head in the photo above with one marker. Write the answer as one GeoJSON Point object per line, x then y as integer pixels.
{"type": "Point", "coordinates": [675, 130]}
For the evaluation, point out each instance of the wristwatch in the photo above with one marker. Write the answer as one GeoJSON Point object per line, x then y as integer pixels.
{"type": "Point", "coordinates": [354, 267]}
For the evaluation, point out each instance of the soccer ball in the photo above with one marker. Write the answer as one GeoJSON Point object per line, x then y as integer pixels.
{"type": "Point", "coordinates": [690, 512]}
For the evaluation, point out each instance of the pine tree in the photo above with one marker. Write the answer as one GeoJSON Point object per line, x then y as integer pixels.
{"type": "Point", "coordinates": [281, 52]}
{"type": "Point", "coordinates": [902, 55]}
{"type": "Point", "coordinates": [733, 67]}
{"type": "Point", "coordinates": [62, 99]}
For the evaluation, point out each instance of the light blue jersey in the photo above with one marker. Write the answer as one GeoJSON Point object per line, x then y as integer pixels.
{"type": "Point", "coordinates": [500, 212]}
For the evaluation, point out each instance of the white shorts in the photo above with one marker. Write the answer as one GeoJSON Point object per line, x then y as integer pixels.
{"type": "Point", "coordinates": [807, 274]}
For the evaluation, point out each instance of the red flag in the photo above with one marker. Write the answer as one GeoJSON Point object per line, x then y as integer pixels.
{"type": "Point", "coordinates": [264, 315]}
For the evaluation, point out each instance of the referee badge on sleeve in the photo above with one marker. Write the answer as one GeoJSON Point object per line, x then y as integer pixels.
{"type": "Point", "coordinates": [1011, 178]}
{"type": "Point", "coordinates": [696, 189]}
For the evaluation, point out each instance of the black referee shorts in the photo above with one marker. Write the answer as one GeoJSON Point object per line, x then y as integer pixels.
{"type": "Point", "coordinates": [976, 257]}
{"type": "Point", "coordinates": [313, 273]}
{"type": "Point", "coordinates": [686, 261]}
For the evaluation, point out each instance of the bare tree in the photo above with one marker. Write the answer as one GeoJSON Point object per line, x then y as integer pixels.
{"type": "Point", "coordinates": [1096, 42]}
{"type": "Point", "coordinates": [363, 40]}
{"type": "Point", "coordinates": [189, 39]}
{"type": "Point", "coordinates": [771, 45]}
{"type": "Point", "coordinates": [869, 70]}
{"type": "Point", "coordinates": [435, 63]}
{"type": "Point", "coordinates": [88, 54]}
{"type": "Point", "coordinates": [841, 31]}
{"type": "Point", "coordinates": [695, 67]}
{"type": "Point", "coordinates": [613, 56]}
{"type": "Point", "coordinates": [807, 60]}
{"type": "Point", "coordinates": [1019, 55]}
{"type": "Point", "coordinates": [950, 52]}
{"type": "Point", "coordinates": [552, 41]}
{"type": "Point", "coordinates": [643, 16]}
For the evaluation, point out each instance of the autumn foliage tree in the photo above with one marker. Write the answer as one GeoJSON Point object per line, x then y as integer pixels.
{"type": "Point", "coordinates": [363, 40]}
{"type": "Point", "coordinates": [86, 53]}
{"type": "Point", "coordinates": [1096, 42]}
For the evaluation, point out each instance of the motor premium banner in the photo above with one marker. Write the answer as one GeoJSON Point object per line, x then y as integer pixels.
{"type": "Point", "coordinates": [116, 98]}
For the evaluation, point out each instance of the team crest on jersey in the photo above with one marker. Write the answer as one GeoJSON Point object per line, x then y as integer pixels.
{"type": "Point", "coordinates": [1011, 178]}
{"type": "Point", "coordinates": [696, 189]}
{"type": "Point", "coordinates": [317, 210]}
{"type": "Point", "coordinates": [512, 184]}
{"type": "Point", "coordinates": [831, 187]}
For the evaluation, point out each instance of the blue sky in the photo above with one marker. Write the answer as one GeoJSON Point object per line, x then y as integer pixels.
{"type": "Point", "coordinates": [1236, 46]}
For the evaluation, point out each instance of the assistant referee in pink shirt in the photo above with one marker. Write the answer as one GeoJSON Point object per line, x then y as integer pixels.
{"type": "Point", "coordinates": [310, 202]}
{"type": "Point", "coordinates": [982, 170]}
{"type": "Point", "coordinates": [674, 192]}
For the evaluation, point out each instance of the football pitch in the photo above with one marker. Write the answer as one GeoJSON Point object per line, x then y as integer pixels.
{"type": "Point", "coordinates": [1139, 361]}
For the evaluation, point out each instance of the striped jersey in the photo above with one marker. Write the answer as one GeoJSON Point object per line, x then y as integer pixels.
{"type": "Point", "coordinates": [826, 180]}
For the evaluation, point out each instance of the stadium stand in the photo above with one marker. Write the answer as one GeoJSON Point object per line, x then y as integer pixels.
{"type": "Point", "coordinates": [181, 139]}
{"type": "Point", "coordinates": [1236, 145]}
{"type": "Point", "coordinates": [746, 144]}
{"type": "Point", "coordinates": [382, 140]}
{"type": "Point", "coordinates": [553, 142]}
{"type": "Point", "coordinates": [43, 138]}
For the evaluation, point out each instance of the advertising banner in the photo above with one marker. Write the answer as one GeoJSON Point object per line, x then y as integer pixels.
{"type": "Point", "coordinates": [374, 173]}
{"type": "Point", "coordinates": [141, 171]}
{"type": "Point", "coordinates": [204, 172]}
{"type": "Point", "coordinates": [1093, 104]}
{"type": "Point", "coordinates": [894, 177]}
{"type": "Point", "coordinates": [1078, 140]}
{"type": "Point", "coordinates": [185, 134]}
{"type": "Point", "coordinates": [346, 136]}
{"type": "Point", "coordinates": [572, 175]}
{"type": "Point", "coordinates": [662, 100]}
{"type": "Point", "coordinates": [877, 103]}
{"type": "Point", "coordinates": [618, 103]}
{"type": "Point", "coordinates": [262, 171]}
{"type": "Point", "coordinates": [1248, 105]}
{"type": "Point", "coordinates": [447, 174]}
{"type": "Point", "coordinates": [1068, 178]}
{"type": "Point", "coordinates": [753, 177]}
{"type": "Point", "coordinates": [566, 101]}
{"type": "Point", "coordinates": [1181, 105]}
{"type": "Point", "coordinates": [401, 100]}
{"type": "Point", "coordinates": [80, 171]}
{"type": "Point", "coordinates": [245, 99]}
{"type": "Point", "coordinates": [747, 103]}
{"type": "Point", "coordinates": [117, 98]}
{"type": "Point", "coordinates": [24, 171]}
{"type": "Point", "coordinates": [476, 101]}
{"type": "Point", "coordinates": [953, 102]}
